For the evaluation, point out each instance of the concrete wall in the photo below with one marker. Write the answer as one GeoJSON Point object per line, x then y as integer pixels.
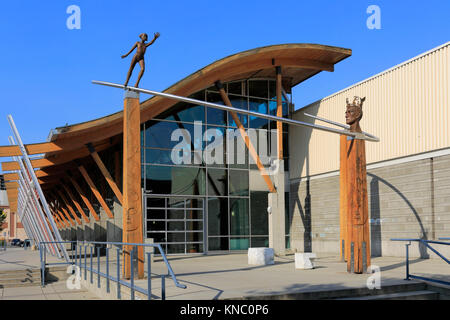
{"type": "Point", "coordinates": [406, 200]}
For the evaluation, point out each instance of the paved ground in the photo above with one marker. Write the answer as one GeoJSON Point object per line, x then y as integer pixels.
{"type": "Point", "coordinates": [229, 276]}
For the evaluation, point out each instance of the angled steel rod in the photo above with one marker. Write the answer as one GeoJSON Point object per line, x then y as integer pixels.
{"type": "Point", "coordinates": [356, 135]}
{"type": "Point", "coordinates": [345, 126]}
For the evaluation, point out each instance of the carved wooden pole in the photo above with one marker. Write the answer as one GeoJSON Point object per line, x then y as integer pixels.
{"type": "Point", "coordinates": [343, 243]}
{"type": "Point", "coordinates": [357, 209]}
{"type": "Point", "coordinates": [132, 197]}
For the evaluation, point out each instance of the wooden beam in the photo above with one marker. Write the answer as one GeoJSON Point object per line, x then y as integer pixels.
{"type": "Point", "coordinates": [63, 220]}
{"type": "Point", "coordinates": [75, 202]}
{"type": "Point", "coordinates": [36, 148]}
{"type": "Point", "coordinates": [59, 158]}
{"type": "Point", "coordinates": [11, 176]}
{"type": "Point", "coordinates": [105, 172]}
{"type": "Point", "coordinates": [247, 141]}
{"type": "Point", "coordinates": [63, 197]}
{"type": "Point", "coordinates": [279, 113]}
{"type": "Point", "coordinates": [344, 245]}
{"type": "Point", "coordinates": [84, 198]}
{"type": "Point", "coordinates": [95, 191]}
{"type": "Point", "coordinates": [67, 215]}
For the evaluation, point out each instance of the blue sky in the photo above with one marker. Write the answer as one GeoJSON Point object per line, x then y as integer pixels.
{"type": "Point", "coordinates": [46, 68]}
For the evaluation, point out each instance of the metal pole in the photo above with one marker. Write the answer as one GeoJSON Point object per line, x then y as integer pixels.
{"type": "Point", "coordinates": [149, 276]}
{"type": "Point", "coordinates": [98, 267]}
{"type": "Point", "coordinates": [407, 260]}
{"type": "Point", "coordinates": [132, 272]}
{"type": "Point", "coordinates": [37, 186]}
{"type": "Point", "coordinates": [107, 269]}
{"type": "Point", "coordinates": [231, 109]}
{"type": "Point", "coordinates": [345, 126]}
{"type": "Point", "coordinates": [118, 273]}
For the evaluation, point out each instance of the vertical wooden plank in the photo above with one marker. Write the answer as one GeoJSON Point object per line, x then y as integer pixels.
{"type": "Point", "coordinates": [279, 113]}
{"type": "Point", "coordinates": [132, 198]}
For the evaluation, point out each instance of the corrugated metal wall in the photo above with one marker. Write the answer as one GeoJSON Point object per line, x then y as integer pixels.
{"type": "Point", "coordinates": [407, 107]}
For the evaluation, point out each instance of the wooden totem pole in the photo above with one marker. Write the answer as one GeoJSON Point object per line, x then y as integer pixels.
{"type": "Point", "coordinates": [354, 207]}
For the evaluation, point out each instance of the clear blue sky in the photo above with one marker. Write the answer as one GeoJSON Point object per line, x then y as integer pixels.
{"type": "Point", "coordinates": [46, 68]}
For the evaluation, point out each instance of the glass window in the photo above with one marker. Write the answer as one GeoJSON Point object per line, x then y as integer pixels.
{"type": "Point", "coordinates": [215, 149]}
{"type": "Point", "coordinates": [175, 180]}
{"type": "Point", "coordinates": [156, 214]}
{"type": "Point", "coordinates": [176, 237]}
{"type": "Point", "coordinates": [185, 112]}
{"type": "Point", "coordinates": [217, 182]}
{"type": "Point", "coordinates": [156, 225]}
{"type": "Point", "coordinates": [258, 105]}
{"type": "Point", "coordinates": [259, 203]}
{"type": "Point", "coordinates": [175, 214]}
{"type": "Point", "coordinates": [218, 216]}
{"type": "Point", "coordinates": [158, 134]}
{"type": "Point", "coordinates": [260, 242]}
{"type": "Point", "coordinates": [239, 224]}
{"type": "Point", "coordinates": [175, 248]}
{"type": "Point", "coordinates": [217, 243]}
{"type": "Point", "coordinates": [215, 116]}
{"type": "Point", "coordinates": [239, 243]}
{"type": "Point", "coordinates": [239, 182]}
{"type": "Point", "coordinates": [258, 88]}
{"type": "Point", "coordinates": [240, 103]}
{"type": "Point", "coordinates": [237, 88]}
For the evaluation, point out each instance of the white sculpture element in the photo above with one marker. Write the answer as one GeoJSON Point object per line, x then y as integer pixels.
{"type": "Point", "coordinates": [260, 256]}
{"type": "Point", "coordinates": [304, 260]}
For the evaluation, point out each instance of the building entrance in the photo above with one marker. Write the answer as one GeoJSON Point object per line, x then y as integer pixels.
{"type": "Point", "coordinates": [175, 222]}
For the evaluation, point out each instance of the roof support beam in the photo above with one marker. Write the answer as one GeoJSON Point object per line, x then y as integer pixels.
{"type": "Point", "coordinates": [95, 191]}
{"type": "Point", "coordinates": [246, 139]}
{"type": "Point", "coordinates": [75, 202]}
{"type": "Point", "coordinates": [74, 214]}
{"type": "Point", "coordinates": [66, 214]}
{"type": "Point", "coordinates": [83, 197]}
{"type": "Point", "coordinates": [105, 172]}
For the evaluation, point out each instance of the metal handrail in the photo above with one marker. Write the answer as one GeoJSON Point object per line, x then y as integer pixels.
{"type": "Point", "coordinates": [77, 261]}
{"type": "Point", "coordinates": [426, 243]}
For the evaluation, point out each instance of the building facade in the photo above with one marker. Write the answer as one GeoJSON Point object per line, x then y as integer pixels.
{"type": "Point", "coordinates": [407, 107]}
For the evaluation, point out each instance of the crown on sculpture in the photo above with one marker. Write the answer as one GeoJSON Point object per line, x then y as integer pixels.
{"type": "Point", "coordinates": [357, 102]}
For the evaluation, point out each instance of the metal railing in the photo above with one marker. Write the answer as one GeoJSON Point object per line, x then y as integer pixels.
{"type": "Point", "coordinates": [426, 243]}
{"type": "Point", "coordinates": [79, 259]}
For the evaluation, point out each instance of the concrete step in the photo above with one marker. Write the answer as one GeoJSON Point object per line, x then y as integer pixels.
{"type": "Point", "coordinates": [411, 295]}
{"type": "Point", "coordinates": [334, 294]}
{"type": "Point", "coordinates": [20, 278]}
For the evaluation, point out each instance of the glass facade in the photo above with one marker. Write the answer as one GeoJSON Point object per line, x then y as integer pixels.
{"type": "Point", "coordinates": [202, 190]}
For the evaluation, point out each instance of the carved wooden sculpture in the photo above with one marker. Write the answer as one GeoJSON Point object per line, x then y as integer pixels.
{"type": "Point", "coordinates": [355, 222]}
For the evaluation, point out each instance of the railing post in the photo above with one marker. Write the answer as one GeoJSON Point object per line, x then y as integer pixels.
{"type": "Point", "coordinates": [85, 262]}
{"type": "Point", "coordinates": [107, 269]}
{"type": "Point", "coordinates": [149, 276]}
{"type": "Point", "coordinates": [91, 266]}
{"type": "Point", "coordinates": [407, 260]}
{"type": "Point", "coordinates": [118, 273]}
{"type": "Point", "coordinates": [132, 272]}
{"type": "Point", "coordinates": [41, 256]}
{"type": "Point", "coordinates": [98, 267]}
{"type": "Point", "coordinates": [163, 287]}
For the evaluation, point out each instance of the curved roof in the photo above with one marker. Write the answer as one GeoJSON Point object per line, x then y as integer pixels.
{"type": "Point", "coordinates": [298, 61]}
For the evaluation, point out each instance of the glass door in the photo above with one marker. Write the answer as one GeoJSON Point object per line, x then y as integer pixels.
{"type": "Point", "coordinates": [176, 223]}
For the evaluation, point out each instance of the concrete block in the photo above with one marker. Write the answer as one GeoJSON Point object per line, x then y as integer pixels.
{"type": "Point", "coordinates": [260, 256]}
{"type": "Point", "coordinates": [304, 260]}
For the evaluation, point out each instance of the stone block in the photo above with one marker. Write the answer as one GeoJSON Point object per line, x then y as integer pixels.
{"type": "Point", "coordinates": [260, 256]}
{"type": "Point", "coordinates": [304, 260]}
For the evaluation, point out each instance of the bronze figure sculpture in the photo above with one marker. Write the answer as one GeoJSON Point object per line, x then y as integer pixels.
{"type": "Point", "coordinates": [139, 56]}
